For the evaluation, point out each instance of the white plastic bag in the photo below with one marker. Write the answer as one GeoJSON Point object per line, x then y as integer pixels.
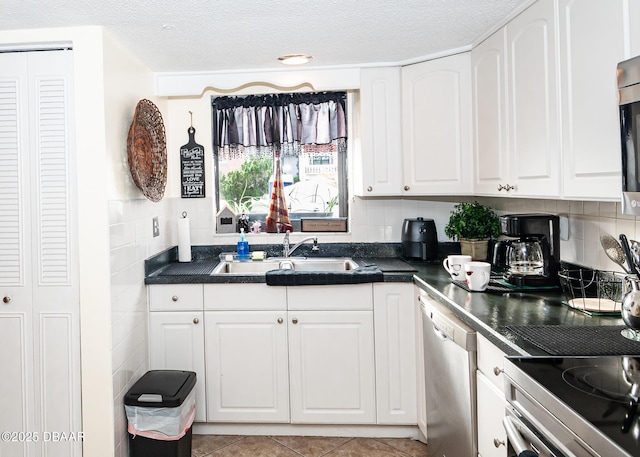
{"type": "Point", "coordinates": [161, 422]}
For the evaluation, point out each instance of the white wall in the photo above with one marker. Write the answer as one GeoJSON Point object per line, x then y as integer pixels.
{"type": "Point", "coordinates": [126, 82]}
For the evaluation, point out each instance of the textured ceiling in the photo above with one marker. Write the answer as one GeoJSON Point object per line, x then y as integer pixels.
{"type": "Point", "coordinates": [212, 35]}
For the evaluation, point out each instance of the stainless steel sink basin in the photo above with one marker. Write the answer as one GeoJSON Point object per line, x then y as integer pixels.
{"type": "Point", "coordinates": [325, 264]}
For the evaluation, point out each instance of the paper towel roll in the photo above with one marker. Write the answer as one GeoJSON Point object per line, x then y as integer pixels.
{"type": "Point", "coordinates": [184, 240]}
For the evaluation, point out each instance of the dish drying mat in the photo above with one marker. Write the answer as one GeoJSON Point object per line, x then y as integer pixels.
{"type": "Point", "coordinates": [499, 286]}
{"type": "Point", "coordinates": [578, 340]}
{"type": "Point", "coordinates": [188, 268]}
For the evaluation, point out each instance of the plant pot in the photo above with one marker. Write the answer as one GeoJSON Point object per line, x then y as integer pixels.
{"type": "Point", "coordinates": [477, 249]}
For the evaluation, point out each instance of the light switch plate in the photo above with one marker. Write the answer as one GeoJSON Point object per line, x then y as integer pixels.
{"type": "Point", "coordinates": [156, 227]}
{"type": "Point", "coordinates": [564, 228]}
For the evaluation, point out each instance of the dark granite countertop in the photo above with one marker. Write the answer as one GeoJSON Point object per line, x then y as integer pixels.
{"type": "Point", "coordinates": [164, 267]}
{"type": "Point", "coordinates": [489, 314]}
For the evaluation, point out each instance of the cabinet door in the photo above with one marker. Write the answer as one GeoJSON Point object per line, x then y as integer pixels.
{"type": "Point", "coordinates": [533, 101]}
{"type": "Point", "coordinates": [331, 366]}
{"type": "Point", "coordinates": [176, 342]}
{"type": "Point", "coordinates": [421, 397]}
{"type": "Point", "coordinates": [491, 150]}
{"type": "Point", "coordinates": [246, 363]}
{"type": "Point", "coordinates": [491, 407]}
{"type": "Point", "coordinates": [437, 129]}
{"type": "Point", "coordinates": [379, 161]}
{"type": "Point", "coordinates": [593, 42]}
{"type": "Point", "coordinates": [395, 352]}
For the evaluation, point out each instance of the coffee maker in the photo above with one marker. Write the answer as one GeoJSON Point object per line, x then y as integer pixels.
{"type": "Point", "coordinates": [529, 251]}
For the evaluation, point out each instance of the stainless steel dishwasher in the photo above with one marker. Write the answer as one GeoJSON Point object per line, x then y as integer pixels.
{"type": "Point", "coordinates": [450, 381]}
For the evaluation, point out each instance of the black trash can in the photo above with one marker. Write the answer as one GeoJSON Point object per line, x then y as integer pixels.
{"type": "Point", "coordinates": [160, 410]}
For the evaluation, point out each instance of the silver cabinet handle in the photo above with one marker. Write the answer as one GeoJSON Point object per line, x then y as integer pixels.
{"type": "Point", "coordinates": [407, 187]}
{"type": "Point", "coordinates": [369, 189]}
{"type": "Point", "coordinates": [506, 187]}
{"type": "Point", "coordinates": [498, 443]}
{"type": "Point", "coordinates": [294, 320]}
{"type": "Point", "coordinates": [174, 298]}
{"type": "Point", "coordinates": [196, 320]}
{"type": "Point", "coordinates": [6, 299]}
{"type": "Point", "coordinates": [280, 320]}
{"type": "Point", "coordinates": [497, 371]}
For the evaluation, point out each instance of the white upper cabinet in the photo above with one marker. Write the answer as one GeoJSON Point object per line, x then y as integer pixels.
{"type": "Point", "coordinates": [379, 158]}
{"type": "Point", "coordinates": [437, 130]}
{"type": "Point", "coordinates": [517, 149]}
{"type": "Point", "coordinates": [533, 102]}
{"type": "Point", "coordinates": [593, 41]}
{"type": "Point", "coordinates": [491, 149]}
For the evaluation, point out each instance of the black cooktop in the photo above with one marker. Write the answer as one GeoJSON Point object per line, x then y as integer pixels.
{"type": "Point", "coordinates": [603, 390]}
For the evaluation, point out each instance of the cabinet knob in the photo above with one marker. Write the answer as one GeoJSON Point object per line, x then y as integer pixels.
{"type": "Point", "coordinates": [294, 320]}
{"type": "Point", "coordinates": [6, 299]}
{"type": "Point", "coordinates": [174, 298]}
{"type": "Point", "coordinates": [497, 371]}
{"type": "Point", "coordinates": [280, 320]}
{"type": "Point", "coordinates": [196, 320]}
{"type": "Point", "coordinates": [498, 443]}
{"type": "Point", "coordinates": [407, 187]}
{"type": "Point", "coordinates": [506, 187]}
{"type": "Point", "coordinates": [369, 189]}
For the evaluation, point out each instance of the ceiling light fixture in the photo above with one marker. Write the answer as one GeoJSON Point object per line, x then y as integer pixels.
{"type": "Point", "coordinates": [295, 59]}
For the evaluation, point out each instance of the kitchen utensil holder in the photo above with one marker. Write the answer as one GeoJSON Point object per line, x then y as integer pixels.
{"type": "Point", "coordinates": [593, 291]}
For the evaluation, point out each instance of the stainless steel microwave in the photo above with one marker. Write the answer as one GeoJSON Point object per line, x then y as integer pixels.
{"type": "Point", "coordinates": [629, 93]}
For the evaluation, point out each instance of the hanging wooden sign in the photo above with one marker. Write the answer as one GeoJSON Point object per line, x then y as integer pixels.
{"type": "Point", "coordinates": [192, 167]}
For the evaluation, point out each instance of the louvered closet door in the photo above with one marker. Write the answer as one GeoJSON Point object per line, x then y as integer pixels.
{"type": "Point", "coordinates": [16, 351]}
{"type": "Point", "coordinates": [37, 252]}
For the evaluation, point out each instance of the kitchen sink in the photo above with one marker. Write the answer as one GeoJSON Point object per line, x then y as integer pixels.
{"type": "Point", "coordinates": [260, 267]}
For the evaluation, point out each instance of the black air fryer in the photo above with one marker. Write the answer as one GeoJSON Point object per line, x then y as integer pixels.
{"type": "Point", "coordinates": [419, 239]}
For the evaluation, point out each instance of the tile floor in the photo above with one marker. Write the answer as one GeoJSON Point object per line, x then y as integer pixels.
{"type": "Point", "coordinates": [306, 446]}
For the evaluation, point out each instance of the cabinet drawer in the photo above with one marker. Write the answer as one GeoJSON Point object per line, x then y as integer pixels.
{"type": "Point", "coordinates": [251, 297]}
{"type": "Point", "coordinates": [175, 297]}
{"type": "Point", "coordinates": [491, 362]}
{"type": "Point", "coordinates": [339, 297]}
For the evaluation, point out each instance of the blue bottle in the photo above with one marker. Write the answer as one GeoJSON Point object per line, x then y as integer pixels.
{"type": "Point", "coordinates": [243, 247]}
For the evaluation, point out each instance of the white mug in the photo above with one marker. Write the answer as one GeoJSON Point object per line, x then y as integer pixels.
{"type": "Point", "coordinates": [478, 275]}
{"type": "Point", "coordinates": [454, 264]}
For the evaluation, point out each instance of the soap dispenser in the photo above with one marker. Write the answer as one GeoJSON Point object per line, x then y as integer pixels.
{"type": "Point", "coordinates": [243, 247]}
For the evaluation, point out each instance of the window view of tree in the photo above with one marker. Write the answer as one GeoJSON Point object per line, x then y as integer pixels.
{"type": "Point", "coordinates": [241, 188]}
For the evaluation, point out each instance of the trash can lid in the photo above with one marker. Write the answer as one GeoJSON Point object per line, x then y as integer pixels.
{"type": "Point", "coordinates": [161, 388]}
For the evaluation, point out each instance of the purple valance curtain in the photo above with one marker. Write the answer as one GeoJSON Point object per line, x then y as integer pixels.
{"type": "Point", "coordinates": [292, 123]}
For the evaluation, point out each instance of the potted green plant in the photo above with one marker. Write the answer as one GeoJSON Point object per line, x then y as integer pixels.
{"type": "Point", "coordinates": [473, 225]}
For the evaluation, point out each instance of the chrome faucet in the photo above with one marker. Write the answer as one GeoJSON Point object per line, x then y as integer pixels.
{"type": "Point", "coordinates": [286, 251]}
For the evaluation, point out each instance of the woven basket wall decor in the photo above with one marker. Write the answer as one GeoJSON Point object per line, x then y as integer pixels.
{"type": "Point", "coordinates": [147, 150]}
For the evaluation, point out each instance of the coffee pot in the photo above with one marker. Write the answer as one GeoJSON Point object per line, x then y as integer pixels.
{"type": "Point", "coordinates": [525, 257]}
{"type": "Point", "coordinates": [531, 247]}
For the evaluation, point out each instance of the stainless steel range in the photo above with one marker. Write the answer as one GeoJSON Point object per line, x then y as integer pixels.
{"type": "Point", "coordinates": [573, 406]}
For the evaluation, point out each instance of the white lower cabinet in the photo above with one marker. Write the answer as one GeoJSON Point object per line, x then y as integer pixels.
{"type": "Point", "coordinates": [395, 352]}
{"type": "Point", "coordinates": [491, 400]}
{"type": "Point", "coordinates": [491, 405]}
{"type": "Point", "coordinates": [247, 366]}
{"type": "Point", "coordinates": [305, 355]}
{"type": "Point", "coordinates": [176, 342]}
{"type": "Point", "coordinates": [421, 395]}
{"type": "Point", "coordinates": [331, 363]}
